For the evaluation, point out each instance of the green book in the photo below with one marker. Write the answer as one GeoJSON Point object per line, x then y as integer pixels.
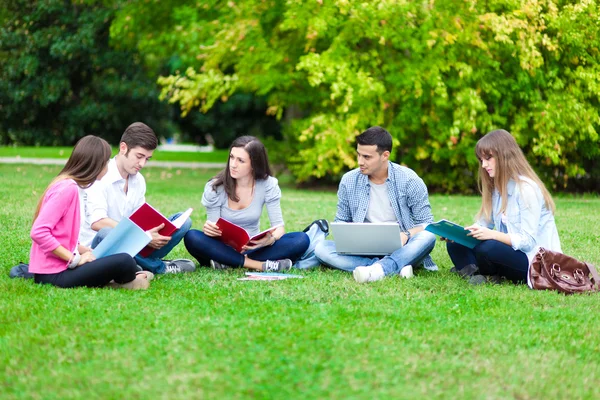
{"type": "Point", "coordinates": [452, 231]}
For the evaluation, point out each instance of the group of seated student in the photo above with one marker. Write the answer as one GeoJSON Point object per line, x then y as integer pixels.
{"type": "Point", "coordinates": [93, 193]}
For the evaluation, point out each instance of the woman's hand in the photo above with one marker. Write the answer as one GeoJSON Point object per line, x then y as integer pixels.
{"type": "Point", "coordinates": [85, 258]}
{"type": "Point", "coordinates": [83, 249]}
{"type": "Point", "coordinates": [481, 232]}
{"type": "Point", "coordinates": [211, 229]}
{"type": "Point", "coordinates": [266, 240]}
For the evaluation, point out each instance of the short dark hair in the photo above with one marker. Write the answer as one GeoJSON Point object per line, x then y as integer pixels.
{"type": "Point", "coordinates": [259, 161]}
{"type": "Point", "coordinates": [376, 136]}
{"type": "Point", "coordinates": [141, 135]}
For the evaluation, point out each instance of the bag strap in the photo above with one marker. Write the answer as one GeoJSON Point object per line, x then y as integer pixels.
{"type": "Point", "coordinates": [594, 275]}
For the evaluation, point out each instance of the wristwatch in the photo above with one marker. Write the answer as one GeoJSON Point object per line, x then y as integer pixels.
{"type": "Point", "coordinates": [407, 233]}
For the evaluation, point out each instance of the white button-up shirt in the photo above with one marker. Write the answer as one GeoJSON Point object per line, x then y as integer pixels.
{"type": "Point", "coordinates": [106, 198]}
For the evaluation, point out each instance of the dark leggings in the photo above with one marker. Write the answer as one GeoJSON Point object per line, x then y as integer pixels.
{"type": "Point", "coordinates": [205, 248]}
{"type": "Point", "coordinates": [119, 267]}
{"type": "Point", "coordinates": [492, 258]}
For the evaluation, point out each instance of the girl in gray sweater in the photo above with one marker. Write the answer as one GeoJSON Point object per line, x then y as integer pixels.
{"type": "Point", "coordinates": [238, 194]}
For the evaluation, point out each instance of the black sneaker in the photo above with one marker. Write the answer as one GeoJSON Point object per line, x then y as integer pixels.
{"type": "Point", "coordinates": [21, 271]}
{"type": "Point", "coordinates": [217, 265]}
{"type": "Point", "coordinates": [277, 266]}
{"type": "Point", "coordinates": [466, 271]}
{"type": "Point", "coordinates": [483, 279]}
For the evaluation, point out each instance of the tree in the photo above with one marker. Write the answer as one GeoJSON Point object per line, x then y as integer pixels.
{"type": "Point", "coordinates": [60, 79]}
{"type": "Point", "coordinates": [437, 75]}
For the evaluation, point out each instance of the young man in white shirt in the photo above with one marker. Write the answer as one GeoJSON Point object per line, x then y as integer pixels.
{"type": "Point", "coordinates": [123, 190]}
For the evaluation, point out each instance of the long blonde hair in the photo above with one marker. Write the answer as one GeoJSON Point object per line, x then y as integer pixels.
{"type": "Point", "coordinates": [88, 159]}
{"type": "Point", "coordinates": [510, 164]}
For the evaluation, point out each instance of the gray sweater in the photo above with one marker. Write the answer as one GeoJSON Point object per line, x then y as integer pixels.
{"type": "Point", "coordinates": [266, 192]}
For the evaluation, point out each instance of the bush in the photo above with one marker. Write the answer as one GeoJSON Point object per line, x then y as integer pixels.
{"type": "Point", "coordinates": [60, 79]}
{"type": "Point", "coordinates": [437, 75]}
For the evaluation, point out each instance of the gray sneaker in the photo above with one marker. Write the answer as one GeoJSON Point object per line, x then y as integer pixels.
{"type": "Point", "coordinates": [179, 266]}
{"type": "Point", "coordinates": [217, 265]}
{"type": "Point", "coordinates": [466, 272]}
{"type": "Point", "coordinates": [277, 266]}
{"type": "Point", "coordinates": [482, 279]}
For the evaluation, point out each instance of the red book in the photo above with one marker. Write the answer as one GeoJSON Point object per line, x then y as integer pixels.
{"type": "Point", "coordinates": [236, 236]}
{"type": "Point", "coordinates": [147, 217]}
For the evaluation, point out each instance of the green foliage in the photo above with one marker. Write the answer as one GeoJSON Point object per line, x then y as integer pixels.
{"type": "Point", "coordinates": [437, 75]}
{"type": "Point", "coordinates": [60, 79]}
{"type": "Point", "coordinates": [165, 34]}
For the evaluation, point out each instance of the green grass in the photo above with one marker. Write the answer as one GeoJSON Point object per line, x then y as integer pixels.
{"type": "Point", "coordinates": [208, 335]}
{"type": "Point", "coordinates": [219, 156]}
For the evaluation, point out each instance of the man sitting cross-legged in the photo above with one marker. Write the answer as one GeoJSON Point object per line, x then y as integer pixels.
{"type": "Point", "coordinates": [120, 192]}
{"type": "Point", "coordinates": [382, 191]}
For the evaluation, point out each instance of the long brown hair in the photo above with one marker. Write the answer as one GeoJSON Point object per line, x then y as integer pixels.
{"type": "Point", "coordinates": [89, 157]}
{"type": "Point", "coordinates": [259, 161]}
{"type": "Point", "coordinates": [510, 164]}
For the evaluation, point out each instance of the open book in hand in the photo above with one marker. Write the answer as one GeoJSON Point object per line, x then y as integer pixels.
{"type": "Point", "coordinates": [452, 231]}
{"type": "Point", "coordinates": [147, 217]}
{"type": "Point", "coordinates": [126, 237]}
{"type": "Point", "coordinates": [235, 236]}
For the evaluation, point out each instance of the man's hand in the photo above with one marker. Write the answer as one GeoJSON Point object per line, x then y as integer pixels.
{"type": "Point", "coordinates": [211, 229]}
{"type": "Point", "coordinates": [403, 238]}
{"type": "Point", "coordinates": [158, 240]}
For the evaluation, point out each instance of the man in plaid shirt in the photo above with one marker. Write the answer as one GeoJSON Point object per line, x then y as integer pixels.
{"type": "Point", "coordinates": [382, 191]}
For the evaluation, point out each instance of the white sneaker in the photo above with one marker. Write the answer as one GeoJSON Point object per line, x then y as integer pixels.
{"type": "Point", "coordinates": [407, 272]}
{"type": "Point", "coordinates": [368, 274]}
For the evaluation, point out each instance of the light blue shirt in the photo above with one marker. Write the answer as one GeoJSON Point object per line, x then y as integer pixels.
{"type": "Point", "coordinates": [527, 221]}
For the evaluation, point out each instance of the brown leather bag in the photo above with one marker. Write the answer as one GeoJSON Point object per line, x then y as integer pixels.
{"type": "Point", "coordinates": [551, 270]}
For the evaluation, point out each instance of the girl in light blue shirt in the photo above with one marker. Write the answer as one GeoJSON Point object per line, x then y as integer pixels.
{"type": "Point", "coordinates": [516, 216]}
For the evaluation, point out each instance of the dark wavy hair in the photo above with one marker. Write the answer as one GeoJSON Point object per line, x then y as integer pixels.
{"type": "Point", "coordinates": [259, 161]}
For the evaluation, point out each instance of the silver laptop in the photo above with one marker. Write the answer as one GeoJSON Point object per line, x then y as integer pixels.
{"type": "Point", "coordinates": [378, 239]}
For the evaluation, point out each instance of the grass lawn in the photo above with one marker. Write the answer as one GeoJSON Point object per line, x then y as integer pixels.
{"type": "Point", "coordinates": [219, 156]}
{"type": "Point", "coordinates": [208, 335]}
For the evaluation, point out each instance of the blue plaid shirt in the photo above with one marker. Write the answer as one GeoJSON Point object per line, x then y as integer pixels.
{"type": "Point", "coordinates": [407, 193]}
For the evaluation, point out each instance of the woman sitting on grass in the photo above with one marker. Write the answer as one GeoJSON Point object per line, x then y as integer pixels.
{"type": "Point", "coordinates": [238, 194]}
{"type": "Point", "coordinates": [56, 256]}
{"type": "Point", "coordinates": [516, 203]}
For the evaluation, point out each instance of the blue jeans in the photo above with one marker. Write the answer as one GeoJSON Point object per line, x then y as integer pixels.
{"type": "Point", "coordinates": [413, 252]}
{"type": "Point", "coordinates": [153, 262]}
{"type": "Point", "coordinates": [492, 258]}
{"type": "Point", "coordinates": [205, 248]}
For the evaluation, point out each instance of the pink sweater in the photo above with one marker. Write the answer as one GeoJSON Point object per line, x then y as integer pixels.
{"type": "Point", "coordinates": [57, 224]}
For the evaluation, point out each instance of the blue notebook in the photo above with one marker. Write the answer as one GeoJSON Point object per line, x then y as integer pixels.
{"type": "Point", "coordinates": [126, 237]}
{"type": "Point", "coordinates": [452, 231]}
